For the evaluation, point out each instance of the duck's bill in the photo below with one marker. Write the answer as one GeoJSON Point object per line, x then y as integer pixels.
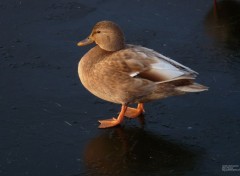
{"type": "Point", "coordinates": [85, 42]}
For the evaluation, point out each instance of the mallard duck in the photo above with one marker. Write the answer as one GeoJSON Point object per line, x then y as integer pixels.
{"type": "Point", "coordinates": [126, 74]}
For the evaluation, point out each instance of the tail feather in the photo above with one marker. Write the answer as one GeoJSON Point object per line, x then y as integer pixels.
{"type": "Point", "coordinates": [195, 87]}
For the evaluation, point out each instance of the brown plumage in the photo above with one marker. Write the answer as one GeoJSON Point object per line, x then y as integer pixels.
{"type": "Point", "coordinates": [126, 74]}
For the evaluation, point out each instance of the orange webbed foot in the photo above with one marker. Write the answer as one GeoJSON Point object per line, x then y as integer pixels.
{"type": "Point", "coordinates": [108, 123]}
{"type": "Point", "coordinates": [134, 112]}
{"type": "Point", "coordinates": [113, 122]}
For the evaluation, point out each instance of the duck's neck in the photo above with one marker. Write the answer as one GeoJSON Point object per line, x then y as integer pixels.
{"type": "Point", "coordinates": [93, 56]}
{"type": "Point", "coordinates": [113, 46]}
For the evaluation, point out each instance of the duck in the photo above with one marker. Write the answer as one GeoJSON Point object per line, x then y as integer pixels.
{"type": "Point", "coordinates": [129, 74]}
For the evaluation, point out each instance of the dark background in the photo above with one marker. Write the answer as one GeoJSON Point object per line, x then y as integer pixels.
{"type": "Point", "coordinates": [48, 121]}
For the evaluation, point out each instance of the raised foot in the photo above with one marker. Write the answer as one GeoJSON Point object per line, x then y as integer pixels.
{"type": "Point", "coordinates": [134, 112]}
{"type": "Point", "coordinates": [108, 123]}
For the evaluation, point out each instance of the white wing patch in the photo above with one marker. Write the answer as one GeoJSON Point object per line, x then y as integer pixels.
{"type": "Point", "coordinates": [134, 74]}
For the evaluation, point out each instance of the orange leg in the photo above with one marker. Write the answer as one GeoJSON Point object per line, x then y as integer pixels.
{"type": "Point", "coordinates": [113, 122]}
{"type": "Point", "coordinates": [134, 112]}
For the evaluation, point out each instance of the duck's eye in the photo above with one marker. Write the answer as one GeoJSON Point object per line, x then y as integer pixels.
{"type": "Point", "coordinates": [98, 31]}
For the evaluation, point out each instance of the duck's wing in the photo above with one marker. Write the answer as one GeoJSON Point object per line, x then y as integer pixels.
{"type": "Point", "coordinates": [148, 64]}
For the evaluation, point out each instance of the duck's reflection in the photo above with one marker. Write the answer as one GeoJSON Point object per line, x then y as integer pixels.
{"type": "Point", "coordinates": [223, 22]}
{"type": "Point", "coordinates": [134, 151]}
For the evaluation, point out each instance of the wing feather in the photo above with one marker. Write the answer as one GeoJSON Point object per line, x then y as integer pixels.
{"type": "Point", "coordinates": [155, 66]}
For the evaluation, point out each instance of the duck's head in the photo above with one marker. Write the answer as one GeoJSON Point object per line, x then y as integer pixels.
{"type": "Point", "coordinates": [107, 35]}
